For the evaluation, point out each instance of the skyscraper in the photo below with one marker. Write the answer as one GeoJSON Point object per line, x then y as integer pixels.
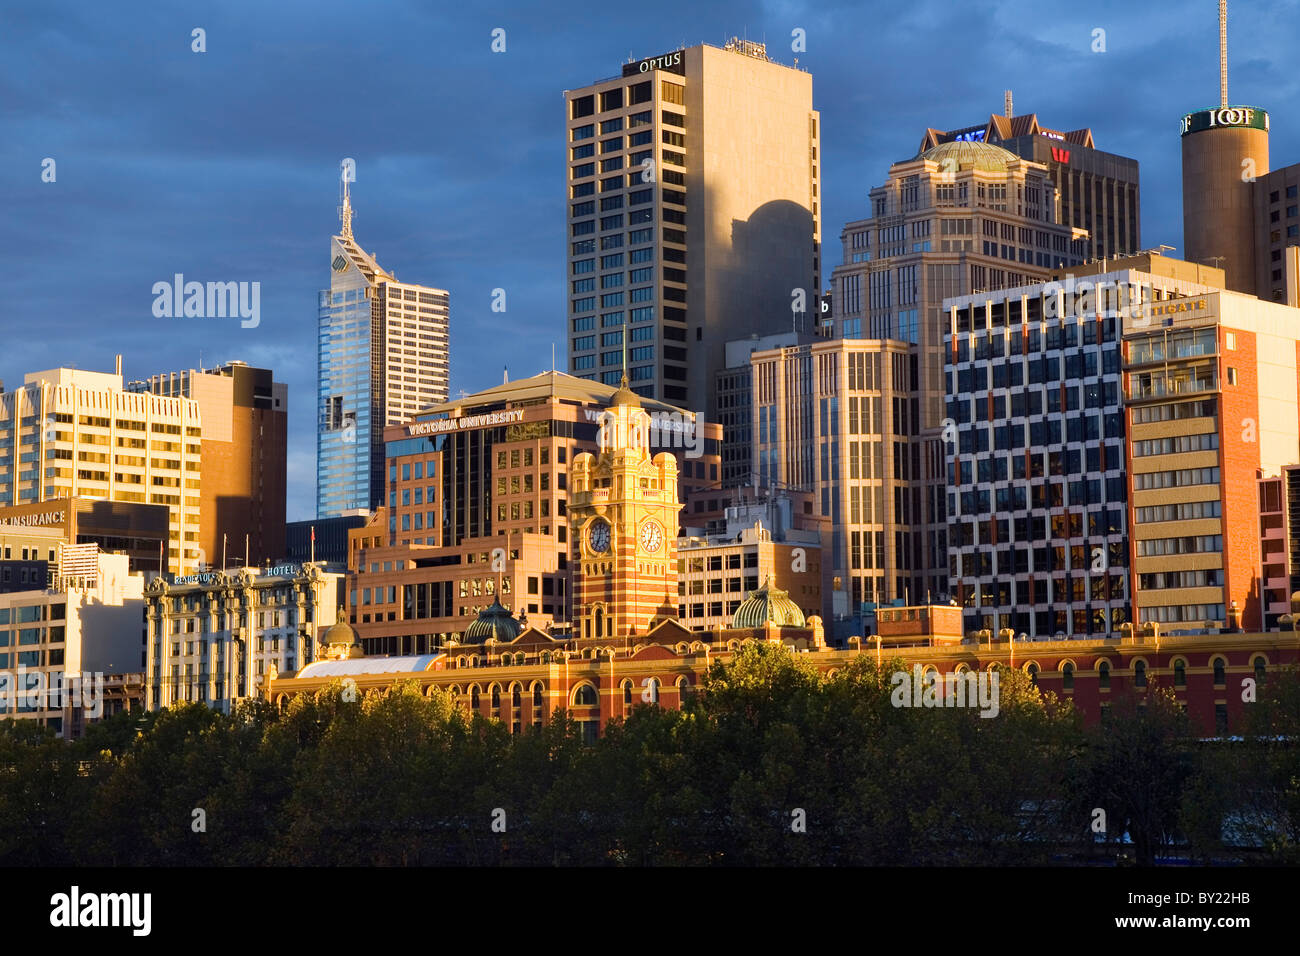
{"type": "Point", "coordinates": [693, 216]}
{"type": "Point", "coordinates": [382, 357]}
{"type": "Point", "coordinates": [963, 217]}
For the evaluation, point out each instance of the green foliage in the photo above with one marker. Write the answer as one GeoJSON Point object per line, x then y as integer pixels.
{"type": "Point", "coordinates": [771, 763]}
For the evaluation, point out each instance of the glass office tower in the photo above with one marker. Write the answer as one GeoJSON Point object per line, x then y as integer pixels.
{"type": "Point", "coordinates": [382, 357]}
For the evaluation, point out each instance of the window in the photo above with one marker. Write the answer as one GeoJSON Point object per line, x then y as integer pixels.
{"type": "Point", "coordinates": [1219, 677]}
{"type": "Point", "coordinates": [1139, 673]}
{"type": "Point", "coordinates": [1067, 676]}
{"type": "Point", "coordinates": [584, 696]}
{"type": "Point", "coordinates": [1103, 675]}
{"type": "Point", "coordinates": [1180, 673]}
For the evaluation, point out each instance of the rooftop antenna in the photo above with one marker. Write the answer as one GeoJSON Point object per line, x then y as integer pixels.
{"type": "Point", "coordinates": [1223, 52]}
{"type": "Point", "coordinates": [346, 212]}
{"type": "Point", "coordinates": [505, 375]}
{"type": "Point", "coordinates": [1006, 102]}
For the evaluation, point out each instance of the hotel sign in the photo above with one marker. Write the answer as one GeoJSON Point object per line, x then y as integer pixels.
{"type": "Point", "coordinates": [444, 425]}
{"type": "Point", "coordinates": [669, 61]}
{"type": "Point", "coordinates": [1242, 117]}
{"type": "Point", "coordinates": [214, 577]}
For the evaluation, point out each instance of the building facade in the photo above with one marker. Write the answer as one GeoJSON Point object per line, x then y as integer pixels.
{"type": "Point", "coordinates": [484, 480]}
{"type": "Point", "coordinates": [61, 644]}
{"type": "Point", "coordinates": [841, 419]}
{"type": "Point", "coordinates": [1037, 460]}
{"type": "Point", "coordinates": [382, 356]}
{"type": "Point", "coordinates": [1277, 236]}
{"type": "Point", "coordinates": [1210, 386]}
{"type": "Point", "coordinates": [693, 216]}
{"type": "Point", "coordinates": [69, 433]}
{"type": "Point", "coordinates": [138, 530]}
{"type": "Point", "coordinates": [1099, 191]}
{"type": "Point", "coordinates": [214, 637]}
{"type": "Point", "coordinates": [243, 453]}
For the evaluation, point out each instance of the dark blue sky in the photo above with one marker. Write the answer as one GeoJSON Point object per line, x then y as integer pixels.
{"type": "Point", "coordinates": [224, 165]}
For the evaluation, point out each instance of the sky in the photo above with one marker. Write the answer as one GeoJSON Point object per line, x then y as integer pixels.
{"type": "Point", "coordinates": [223, 165]}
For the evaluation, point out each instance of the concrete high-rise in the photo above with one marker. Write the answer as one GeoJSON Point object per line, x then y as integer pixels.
{"type": "Point", "coordinates": [963, 217]}
{"type": "Point", "coordinates": [244, 453]}
{"type": "Point", "coordinates": [1225, 150]}
{"type": "Point", "coordinates": [382, 357]}
{"type": "Point", "coordinates": [693, 216]}
{"type": "Point", "coordinates": [1039, 515]}
{"type": "Point", "coordinates": [68, 432]}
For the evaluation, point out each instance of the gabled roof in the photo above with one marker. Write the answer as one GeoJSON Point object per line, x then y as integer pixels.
{"type": "Point", "coordinates": [549, 384]}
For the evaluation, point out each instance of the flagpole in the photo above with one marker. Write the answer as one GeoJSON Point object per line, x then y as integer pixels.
{"type": "Point", "coordinates": [313, 544]}
{"type": "Point", "coordinates": [223, 551]}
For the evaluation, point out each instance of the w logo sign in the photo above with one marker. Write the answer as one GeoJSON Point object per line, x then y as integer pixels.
{"type": "Point", "coordinates": [1060, 155]}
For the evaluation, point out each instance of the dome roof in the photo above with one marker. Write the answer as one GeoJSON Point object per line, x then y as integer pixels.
{"type": "Point", "coordinates": [971, 155]}
{"type": "Point", "coordinates": [340, 632]}
{"type": "Point", "coordinates": [493, 621]}
{"type": "Point", "coordinates": [768, 605]}
{"type": "Point", "coordinates": [625, 396]}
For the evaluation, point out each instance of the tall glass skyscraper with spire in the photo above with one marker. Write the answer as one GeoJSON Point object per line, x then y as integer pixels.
{"type": "Point", "coordinates": [382, 356]}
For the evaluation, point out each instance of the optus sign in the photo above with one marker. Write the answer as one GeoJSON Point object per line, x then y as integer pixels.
{"type": "Point", "coordinates": [1243, 117]}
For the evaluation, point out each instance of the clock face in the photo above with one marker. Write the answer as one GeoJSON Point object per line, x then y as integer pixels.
{"type": "Point", "coordinates": [598, 537]}
{"type": "Point", "coordinates": [652, 536]}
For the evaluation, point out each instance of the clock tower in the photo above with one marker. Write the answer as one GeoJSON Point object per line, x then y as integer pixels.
{"type": "Point", "coordinates": [623, 509]}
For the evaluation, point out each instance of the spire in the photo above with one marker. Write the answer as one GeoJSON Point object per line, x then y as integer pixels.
{"type": "Point", "coordinates": [346, 213]}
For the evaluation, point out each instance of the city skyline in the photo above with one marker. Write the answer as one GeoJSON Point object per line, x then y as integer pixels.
{"type": "Point", "coordinates": [251, 197]}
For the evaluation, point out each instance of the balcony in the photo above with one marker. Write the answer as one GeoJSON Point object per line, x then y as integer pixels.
{"type": "Point", "coordinates": [1153, 386]}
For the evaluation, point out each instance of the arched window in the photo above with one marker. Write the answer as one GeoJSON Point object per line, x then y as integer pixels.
{"type": "Point", "coordinates": [496, 701]}
{"type": "Point", "coordinates": [627, 694]}
{"type": "Point", "coordinates": [1103, 675]}
{"type": "Point", "coordinates": [1139, 673]}
{"type": "Point", "coordinates": [1219, 676]}
{"type": "Point", "coordinates": [683, 685]}
{"type": "Point", "coordinates": [537, 695]}
{"type": "Point", "coordinates": [1067, 676]}
{"type": "Point", "coordinates": [1180, 673]}
{"type": "Point", "coordinates": [1261, 666]}
{"type": "Point", "coordinates": [599, 623]}
{"type": "Point", "coordinates": [1032, 671]}
{"type": "Point", "coordinates": [473, 697]}
{"type": "Point", "coordinates": [516, 696]}
{"type": "Point", "coordinates": [546, 657]}
{"type": "Point", "coordinates": [584, 696]}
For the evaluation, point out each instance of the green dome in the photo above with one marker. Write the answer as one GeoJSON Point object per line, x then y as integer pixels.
{"type": "Point", "coordinates": [768, 605]}
{"type": "Point", "coordinates": [970, 155]}
{"type": "Point", "coordinates": [493, 621]}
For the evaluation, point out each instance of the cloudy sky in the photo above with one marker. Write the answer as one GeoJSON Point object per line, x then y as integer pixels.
{"type": "Point", "coordinates": [223, 165]}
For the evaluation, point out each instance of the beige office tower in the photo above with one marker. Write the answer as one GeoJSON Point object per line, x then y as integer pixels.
{"type": "Point", "coordinates": [69, 432]}
{"type": "Point", "coordinates": [962, 217]}
{"type": "Point", "coordinates": [1225, 150]}
{"type": "Point", "coordinates": [841, 418]}
{"type": "Point", "coordinates": [693, 216]}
